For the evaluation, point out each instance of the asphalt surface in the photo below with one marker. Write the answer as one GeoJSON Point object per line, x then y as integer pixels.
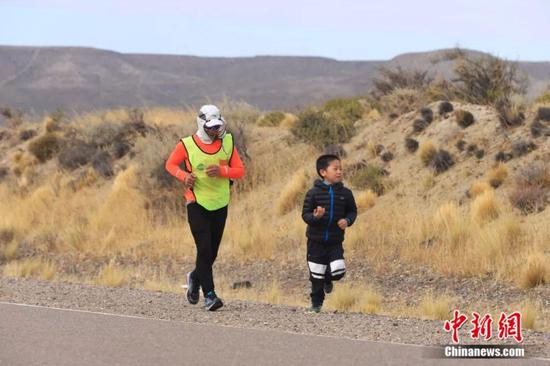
{"type": "Point", "coordinates": [34, 335]}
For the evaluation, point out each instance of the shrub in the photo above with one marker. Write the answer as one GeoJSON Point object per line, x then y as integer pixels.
{"type": "Point", "coordinates": [503, 157]}
{"type": "Point", "coordinates": [371, 177]}
{"type": "Point", "coordinates": [387, 156]}
{"type": "Point", "coordinates": [471, 149]}
{"type": "Point", "coordinates": [539, 129]}
{"type": "Point", "coordinates": [427, 114]}
{"type": "Point", "coordinates": [4, 135]}
{"type": "Point", "coordinates": [335, 149]}
{"type": "Point", "coordinates": [77, 155]}
{"type": "Point", "coordinates": [531, 190]}
{"type": "Point", "coordinates": [521, 148]}
{"type": "Point", "coordinates": [461, 145]}
{"type": "Point", "coordinates": [480, 154]}
{"type": "Point", "coordinates": [121, 148]}
{"type": "Point", "coordinates": [426, 152]}
{"type": "Point", "coordinates": [529, 199]}
{"type": "Point", "coordinates": [441, 161]}
{"type": "Point", "coordinates": [401, 101]}
{"type": "Point", "coordinates": [444, 107]}
{"type": "Point", "coordinates": [510, 113]}
{"type": "Point", "coordinates": [420, 125]}
{"type": "Point", "coordinates": [14, 117]}
{"type": "Point", "coordinates": [240, 139]}
{"type": "Point", "coordinates": [45, 147]}
{"type": "Point", "coordinates": [543, 98]}
{"type": "Point", "coordinates": [487, 80]}
{"type": "Point", "coordinates": [543, 114]}
{"type": "Point", "coordinates": [27, 135]}
{"type": "Point", "coordinates": [3, 173]}
{"type": "Point", "coordinates": [102, 163]}
{"type": "Point", "coordinates": [315, 127]}
{"type": "Point", "coordinates": [411, 144]}
{"type": "Point", "coordinates": [497, 175]}
{"type": "Point", "coordinates": [390, 80]}
{"type": "Point", "coordinates": [464, 118]}
{"type": "Point", "coordinates": [344, 110]}
{"type": "Point", "coordinates": [136, 116]}
{"type": "Point", "coordinates": [272, 119]}
{"type": "Point", "coordinates": [535, 174]}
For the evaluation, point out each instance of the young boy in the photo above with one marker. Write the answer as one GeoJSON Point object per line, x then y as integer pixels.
{"type": "Point", "coordinates": [329, 208]}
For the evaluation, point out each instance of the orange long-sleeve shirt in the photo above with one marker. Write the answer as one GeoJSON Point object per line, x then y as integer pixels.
{"type": "Point", "coordinates": [234, 170]}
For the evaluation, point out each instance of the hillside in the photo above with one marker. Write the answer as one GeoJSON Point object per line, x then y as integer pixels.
{"type": "Point", "coordinates": [88, 200]}
{"type": "Point", "coordinates": [83, 79]}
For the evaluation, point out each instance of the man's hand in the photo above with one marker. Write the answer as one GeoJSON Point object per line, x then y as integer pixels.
{"type": "Point", "coordinates": [190, 179]}
{"type": "Point", "coordinates": [319, 212]}
{"type": "Point", "coordinates": [213, 171]}
{"type": "Point", "coordinates": [343, 224]}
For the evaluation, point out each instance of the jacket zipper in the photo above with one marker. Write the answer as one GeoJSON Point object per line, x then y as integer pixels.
{"type": "Point", "coordinates": [330, 211]}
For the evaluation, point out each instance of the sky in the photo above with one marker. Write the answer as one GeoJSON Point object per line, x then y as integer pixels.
{"type": "Point", "coordinates": [343, 30]}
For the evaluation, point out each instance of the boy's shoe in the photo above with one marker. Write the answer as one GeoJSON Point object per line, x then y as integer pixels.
{"type": "Point", "coordinates": [314, 309]}
{"type": "Point", "coordinates": [212, 302]}
{"type": "Point", "coordinates": [192, 290]}
{"type": "Point", "coordinates": [328, 287]}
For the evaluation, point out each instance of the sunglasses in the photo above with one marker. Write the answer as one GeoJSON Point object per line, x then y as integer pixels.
{"type": "Point", "coordinates": [213, 128]}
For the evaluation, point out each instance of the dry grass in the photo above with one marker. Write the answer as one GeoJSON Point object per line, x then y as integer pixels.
{"type": "Point", "coordinates": [112, 275]}
{"type": "Point", "coordinates": [9, 251]}
{"type": "Point", "coordinates": [35, 268]}
{"type": "Point", "coordinates": [293, 193]}
{"type": "Point", "coordinates": [371, 148]}
{"type": "Point", "coordinates": [289, 121]}
{"type": "Point", "coordinates": [477, 188]}
{"type": "Point", "coordinates": [485, 207]}
{"type": "Point", "coordinates": [534, 272]}
{"type": "Point", "coordinates": [97, 218]}
{"type": "Point", "coordinates": [497, 175]}
{"type": "Point", "coordinates": [432, 307]}
{"type": "Point", "coordinates": [530, 312]}
{"type": "Point", "coordinates": [160, 282]}
{"type": "Point", "coordinates": [365, 200]}
{"type": "Point", "coordinates": [354, 297]}
{"type": "Point", "coordinates": [427, 151]}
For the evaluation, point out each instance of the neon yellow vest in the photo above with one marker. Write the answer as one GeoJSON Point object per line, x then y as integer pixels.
{"type": "Point", "coordinates": [211, 193]}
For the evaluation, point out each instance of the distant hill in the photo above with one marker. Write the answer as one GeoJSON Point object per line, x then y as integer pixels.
{"type": "Point", "coordinates": [44, 78]}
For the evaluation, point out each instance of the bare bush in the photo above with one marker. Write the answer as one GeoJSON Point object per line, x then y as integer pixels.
{"type": "Point", "coordinates": [487, 80]}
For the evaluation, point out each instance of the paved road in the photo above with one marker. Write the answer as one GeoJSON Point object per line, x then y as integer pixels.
{"type": "Point", "coordinates": [31, 335]}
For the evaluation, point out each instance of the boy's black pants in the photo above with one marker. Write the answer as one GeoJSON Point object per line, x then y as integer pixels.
{"type": "Point", "coordinates": [207, 229]}
{"type": "Point", "coordinates": [326, 264]}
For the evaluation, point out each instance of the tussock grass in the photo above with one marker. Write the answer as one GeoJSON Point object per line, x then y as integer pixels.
{"type": "Point", "coordinates": [355, 298]}
{"type": "Point", "coordinates": [434, 307]}
{"type": "Point", "coordinates": [530, 313]}
{"type": "Point", "coordinates": [112, 275]}
{"type": "Point", "coordinates": [365, 200]}
{"type": "Point", "coordinates": [9, 252]}
{"type": "Point", "coordinates": [497, 175]}
{"type": "Point", "coordinates": [293, 193]}
{"type": "Point", "coordinates": [426, 152]}
{"type": "Point", "coordinates": [534, 271]}
{"type": "Point", "coordinates": [35, 268]}
{"type": "Point", "coordinates": [485, 207]}
{"type": "Point", "coordinates": [478, 188]}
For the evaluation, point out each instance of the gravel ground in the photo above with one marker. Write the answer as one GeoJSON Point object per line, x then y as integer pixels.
{"type": "Point", "coordinates": [243, 314]}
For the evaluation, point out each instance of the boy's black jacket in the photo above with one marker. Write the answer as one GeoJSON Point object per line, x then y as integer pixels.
{"type": "Point", "coordinates": [339, 204]}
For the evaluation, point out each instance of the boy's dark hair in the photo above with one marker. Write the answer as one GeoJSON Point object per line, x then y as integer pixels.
{"type": "Point", "coordinates": [324, 161]}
